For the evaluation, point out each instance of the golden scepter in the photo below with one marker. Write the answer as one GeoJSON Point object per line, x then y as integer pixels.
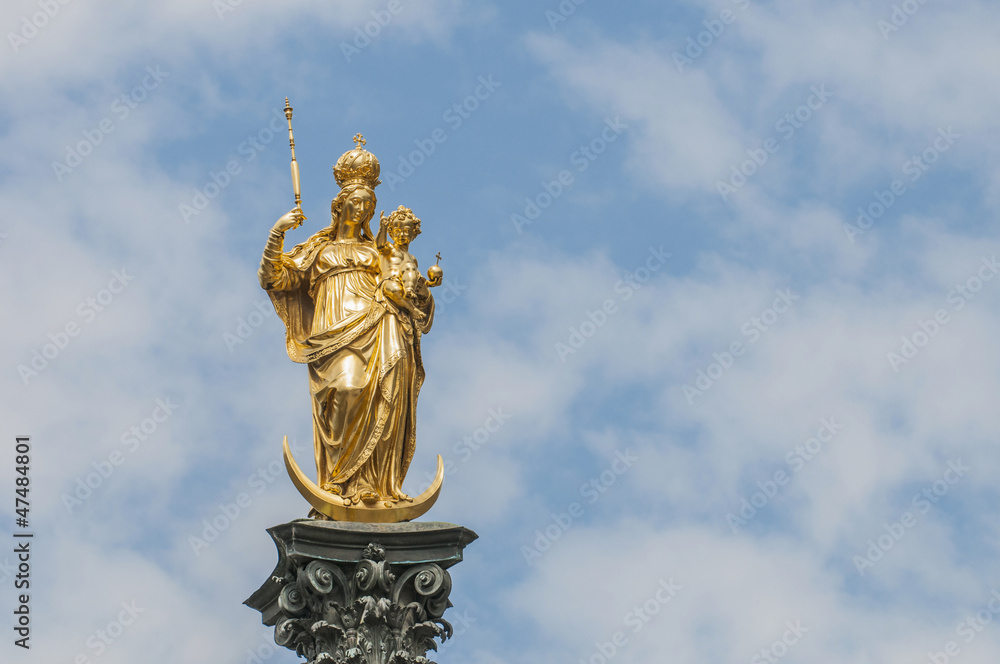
{"type": "Point", "coordinates": [295, 164]}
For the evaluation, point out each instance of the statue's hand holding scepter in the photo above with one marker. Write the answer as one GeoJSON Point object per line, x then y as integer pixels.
{"type": "Point", "coordinates": [295, 217]}
{"type": "Point", "coordinates": [291, 219]}
{"type": "Point", "coordinates": [270, 265]}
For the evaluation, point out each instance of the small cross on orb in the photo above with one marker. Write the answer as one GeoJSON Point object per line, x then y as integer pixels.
{"type": "Point", "coordinates": [359, 140]}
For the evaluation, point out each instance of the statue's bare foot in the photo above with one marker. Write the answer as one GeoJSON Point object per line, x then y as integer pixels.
{"type": "Point", "coordinates": [398, 498]}
{"type": "Point", "coordinates": [331, 487]}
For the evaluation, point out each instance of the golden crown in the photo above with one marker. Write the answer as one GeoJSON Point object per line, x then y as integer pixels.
{"type": "Point", "coordinates": [357, 166]}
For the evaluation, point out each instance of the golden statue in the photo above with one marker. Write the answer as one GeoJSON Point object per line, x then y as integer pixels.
{"type": "Point", "coordinates": [354, 306]}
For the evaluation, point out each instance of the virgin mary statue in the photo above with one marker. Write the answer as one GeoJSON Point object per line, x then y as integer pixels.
{"type": "Point", "coordinates": [362, 348]}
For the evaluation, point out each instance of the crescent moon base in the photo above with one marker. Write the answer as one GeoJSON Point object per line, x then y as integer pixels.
{"type": "Point", "coordinates": [338, 509]}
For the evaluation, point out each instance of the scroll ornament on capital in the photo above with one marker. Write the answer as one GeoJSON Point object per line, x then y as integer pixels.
{"type": "Point", "coordinates": [365, 615]}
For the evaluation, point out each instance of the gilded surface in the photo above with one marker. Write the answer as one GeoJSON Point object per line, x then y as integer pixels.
{"type": "Point", "coordinates": [354, 306]}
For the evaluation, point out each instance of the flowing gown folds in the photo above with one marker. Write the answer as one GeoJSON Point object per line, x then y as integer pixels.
{"type": "Point", "coordinates": [363, 353]}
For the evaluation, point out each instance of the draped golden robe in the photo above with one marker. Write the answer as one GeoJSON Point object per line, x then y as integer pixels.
{"type": "Point", "coordinates": [363, 353]}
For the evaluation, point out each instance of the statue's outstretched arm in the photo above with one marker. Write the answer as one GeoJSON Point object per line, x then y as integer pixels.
{"type": "Point", "coordinates": [274, 273]}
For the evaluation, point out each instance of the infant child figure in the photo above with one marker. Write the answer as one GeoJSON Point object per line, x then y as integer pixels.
{"type": "Point", "coordinates": [401, 279]}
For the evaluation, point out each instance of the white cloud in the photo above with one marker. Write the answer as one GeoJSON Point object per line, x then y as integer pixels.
{"type": "Point", "coordinates": [685, 133]}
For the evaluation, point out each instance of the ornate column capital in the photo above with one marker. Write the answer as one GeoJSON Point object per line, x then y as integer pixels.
{"type": "Point", "coordinates": [348, 593]}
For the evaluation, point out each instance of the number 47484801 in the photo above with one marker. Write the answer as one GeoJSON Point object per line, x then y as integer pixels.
{"type": "Point", "coordinates": [22, 482]}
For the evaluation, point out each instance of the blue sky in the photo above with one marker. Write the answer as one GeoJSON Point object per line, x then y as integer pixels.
{"type": "Point", "coordinates": [726, 270]}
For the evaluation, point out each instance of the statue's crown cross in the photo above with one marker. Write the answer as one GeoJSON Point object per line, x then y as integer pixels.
{"type": "Point", "coordinates": [359, 140]}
